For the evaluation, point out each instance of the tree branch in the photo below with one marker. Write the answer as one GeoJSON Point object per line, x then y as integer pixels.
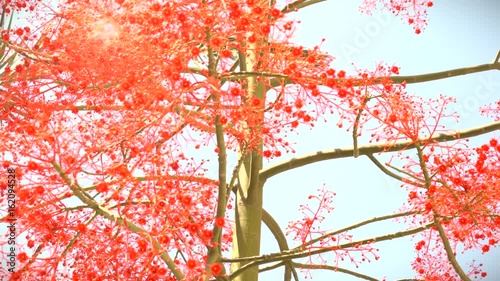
{"type": "Point", "coordinates": [73, 240]}
{"type": "Point", "coordinates": [449, 252]}
{"type": "Point", "coordinates": [274, 257]}
{"type": "Point", "coordinates": [370, 149]}
{"type": "Point", "coordinates": [119, 220]}
{"type": "Point", "coordinates": [354, 226]}
{"type": "Point", "coordinates": [299, 4]}
{"type": "Point", "coordinates": [214, 247]}
{"type": "Point", "coordinates": [409, 79]}
{"type": "Point", "coordinates": [273, 266]}
{"type": "Point", "coordinates": [282, 243]}
{"type": "Point", "coordinates": [442, 234]}
{"type": "Point", "coordinates": [336, 269]}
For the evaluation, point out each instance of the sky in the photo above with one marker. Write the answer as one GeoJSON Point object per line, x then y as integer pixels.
{"type": "Point", "coordinates": [460, 33]}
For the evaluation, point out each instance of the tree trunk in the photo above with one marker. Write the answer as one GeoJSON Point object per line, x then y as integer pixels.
{"type": "Point", "coordinates": [247, 227]}
{"type": "Point", "coordinates": [248, 210]}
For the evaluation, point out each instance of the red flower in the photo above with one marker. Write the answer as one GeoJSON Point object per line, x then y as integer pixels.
{"type": "Point", "coordinates": [174, 166]}
{"type": "Point", "coordinates": [31, 244]}
{"type": "Point", "coordinates": [39, 190]}
{"type": "Point", "coordinates": [223, 120]}
{"type": "Point", "coordinates": [266, 29]}
{"type": "Point", "coordinates": [216, 41]}
{"type": "Point", "coordinates": [81, 227]}
{"type": "Point", "coordinates": [256, 102]}
{"type": "Point", "coordinates": [22, 257]}
{"type": "Point", "coordinates": [296, 52]}
{"type": "Point", "coordinates": [485, 248]}
{"type": "Point", "coordinates": [102, 187]}
{"type": "Point", "coordinates": [186, 200]}
{"type": "Point", "coordinates": [216, 269]}
{"type": "Point", "coordinates": [219, 222]}
{"type": "Point", "coordinates": [191, 264]}
{"type": "Point", "coordinates": [275, 13]}
{"type": "Point", "coordinates": [207, 233]}
{"type": "Point", "coordinates": [195, 51]}
{"type": "Point", "coordinates": [235, 92]}
{"type": "Point", "coordinates": [226, 53]}
{"type": "Point", "coordinates": [32, 166]}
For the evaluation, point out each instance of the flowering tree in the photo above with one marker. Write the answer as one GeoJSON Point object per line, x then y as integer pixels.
{"type": "Point", "coordinates": [112, 110]}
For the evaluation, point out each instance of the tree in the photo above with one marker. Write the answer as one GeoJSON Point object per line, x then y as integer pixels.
{"type": "Point", "coordinates": [112, 110]}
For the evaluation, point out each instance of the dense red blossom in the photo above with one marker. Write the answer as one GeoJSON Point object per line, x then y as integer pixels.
{"type": "Point", "coordinates": [463, 195]}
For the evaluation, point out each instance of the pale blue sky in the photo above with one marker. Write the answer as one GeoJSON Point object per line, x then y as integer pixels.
{"type": "Point", "coordinates": [460, 33]}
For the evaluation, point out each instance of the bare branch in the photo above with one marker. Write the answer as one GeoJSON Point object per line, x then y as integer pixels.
{"type": "Point", "coordinates": [272, 266]}
{"type": "Point", "coordinates": [336, 269]}
{"type": "Point", "coordinates": [299, 4]}
{"type": "Point", "coordinates": [282, 243]}
{"type": "Point", "coordinates": [370, 149]}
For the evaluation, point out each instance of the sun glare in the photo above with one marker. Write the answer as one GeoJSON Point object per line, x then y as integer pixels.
{"type": "Point", "coordinates": [105, 31]}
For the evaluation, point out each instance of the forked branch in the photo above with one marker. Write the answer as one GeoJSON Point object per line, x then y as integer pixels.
{"type": "Point", "coordinates": [389, 173]}
{"type": "Point", "coordinates": [337, 153]}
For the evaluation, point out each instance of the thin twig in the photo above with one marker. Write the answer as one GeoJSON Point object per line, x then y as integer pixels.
{"type": "Point", "coordinates": [389, 173]}
{"type": "Point", "coordinates": [356, 125]}
{"type": "Point", "coordinates": [404, 172]}
{"type": "Point", "coordinates": [336, 269]}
